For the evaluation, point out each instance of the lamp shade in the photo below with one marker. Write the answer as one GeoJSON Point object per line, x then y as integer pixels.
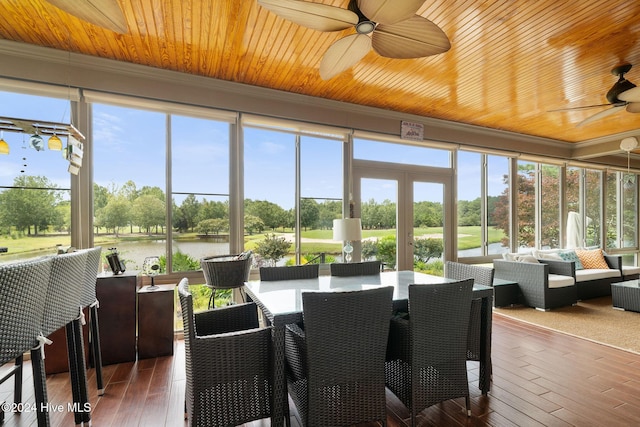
{"type": "Point", "coordinates": [347, 229]}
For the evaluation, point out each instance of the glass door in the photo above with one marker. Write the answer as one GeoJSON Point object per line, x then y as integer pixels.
{"type": "Point", "coordinates": [404, 215]}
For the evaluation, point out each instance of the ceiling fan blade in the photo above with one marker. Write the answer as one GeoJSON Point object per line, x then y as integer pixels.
{"type": "Point", "coordinates": [584, 107]}
{"type": "Point", "coordinates": [316, 16]}
{"type": "Point", "coordinates": [633, 107]}
{"type": "Point", "coordinates": [415, 37]}
{"type": "Point", "coordinates": [343, 54]}
{"type": "Point", "coordinates": [600, 115]}
{"type": "Point", "coordinates": [103, 13]}
{"type": "Point", "coordinates": [631, 95]}
{"type": "Point", "coordinates": [389, 11]}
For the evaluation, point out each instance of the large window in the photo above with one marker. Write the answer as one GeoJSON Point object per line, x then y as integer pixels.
{"type": "Point", "coordinates": [129, 182]}
{"type": "Point", "coordinates": [293, 189]}
{"type": "Point", "coordinates": [483, 204]}
{"type": "Point", "coordinates": [200, 190]}
{"type": "Point", "coordinates": [35, 212]}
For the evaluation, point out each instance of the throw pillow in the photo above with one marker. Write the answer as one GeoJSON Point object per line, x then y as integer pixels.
{"type": "Point", "coordinates": [572, 256]}
{"type": "Point", "coordinates": [592, 259]}
{"type": "Point", "coordinates": [527, 258]}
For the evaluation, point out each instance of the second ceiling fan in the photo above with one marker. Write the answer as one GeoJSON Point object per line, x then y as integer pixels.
{"type": "Point", "coordinates": [390, 27]}
{"type": "Point", "coordinates": [622, 95]}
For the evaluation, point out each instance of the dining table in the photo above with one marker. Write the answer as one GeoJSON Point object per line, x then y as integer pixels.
{"type": "Point", "coordinates": [281, 304]}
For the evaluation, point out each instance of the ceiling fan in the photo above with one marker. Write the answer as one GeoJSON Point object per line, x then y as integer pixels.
{"type": "Point", "coordinates": [391, 27]}
{"type": "Point", "coordinates": [623, 95]}
{"type": "Point", "coordinates": [103, 13]}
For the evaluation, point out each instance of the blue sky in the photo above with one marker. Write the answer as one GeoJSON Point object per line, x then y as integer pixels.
{"type": "Point", "coordinates": [130, 145]}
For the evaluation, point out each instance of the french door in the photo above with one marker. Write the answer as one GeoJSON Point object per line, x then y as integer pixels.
{"type": "Point", "coordinates": [410, 202]}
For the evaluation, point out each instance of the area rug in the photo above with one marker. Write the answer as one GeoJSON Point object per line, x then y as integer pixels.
{"type": "Point", "coordinates": [594, 319]}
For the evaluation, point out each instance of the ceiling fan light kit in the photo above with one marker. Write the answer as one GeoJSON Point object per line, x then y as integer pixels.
{"type": "Point", "coordinates": [390, 27]}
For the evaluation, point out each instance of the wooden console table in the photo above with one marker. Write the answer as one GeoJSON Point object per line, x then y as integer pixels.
{"type": "Point", "coordinates": [155, 321]}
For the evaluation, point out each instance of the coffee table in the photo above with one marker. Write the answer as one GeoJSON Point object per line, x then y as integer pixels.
{"type": "Point", "coordinates": [626, 295]}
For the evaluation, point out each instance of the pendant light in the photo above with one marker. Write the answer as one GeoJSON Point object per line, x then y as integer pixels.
{"type": "Point", "coordinates": [4, 147]}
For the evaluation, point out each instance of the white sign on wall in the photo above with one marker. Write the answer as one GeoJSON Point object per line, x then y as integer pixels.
{"type": "Point", "coordinates": [413, 131]}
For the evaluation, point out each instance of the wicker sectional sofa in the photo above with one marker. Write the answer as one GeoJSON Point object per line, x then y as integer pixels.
{"type": "Point", "coordinates": [543, 285]}
{"type": "Point", "coordinates": [560, 283]}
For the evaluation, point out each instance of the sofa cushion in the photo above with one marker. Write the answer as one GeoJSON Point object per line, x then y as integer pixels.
{"type": "Point", "coordinates": [559, 281]}
{"type": "Point", "coordinates": [571, 255]}
{"type": "Point", "coordinates": [595, 274]}
{"type": "Point", "coordinates": [628, 270]}
{"type": "Point", "coordinates": [592, 259]}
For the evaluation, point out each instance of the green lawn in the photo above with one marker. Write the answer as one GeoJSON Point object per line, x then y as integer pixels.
{"type": "Point", "coordinates": [470, 239]}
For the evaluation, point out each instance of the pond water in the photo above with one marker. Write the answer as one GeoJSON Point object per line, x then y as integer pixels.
{"type": "Point", "coordinates": [134, 253]}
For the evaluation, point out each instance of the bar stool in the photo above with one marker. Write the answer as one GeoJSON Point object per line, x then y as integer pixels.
{"type": "Point", "coordinates": [23, 290]}
{"type": "Point", "coordinates": [89, 299]}
{"type": "Point", "coordinates": [66, 284]}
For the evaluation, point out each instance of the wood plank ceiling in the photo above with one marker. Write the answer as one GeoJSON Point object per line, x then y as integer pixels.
{"type": "Point", "coordinates": [511, 61]}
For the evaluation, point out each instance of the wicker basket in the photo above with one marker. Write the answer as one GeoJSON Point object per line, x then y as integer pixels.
{"type": "Point", "coordinates": [226, 271]}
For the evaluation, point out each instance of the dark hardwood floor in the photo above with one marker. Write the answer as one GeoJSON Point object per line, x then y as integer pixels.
{"type": "Point", "coordinates": [541, 378]}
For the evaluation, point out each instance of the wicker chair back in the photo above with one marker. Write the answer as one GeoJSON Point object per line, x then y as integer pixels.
{"type": "Point", "coordinates": [228, 362]}
{"type": "Point", "coordinates": [339, 357]}
{"type": "Point", "coordinates": [290, 272]}
{"type": "Point", "coordinates": [66, 285]}
{"type": "Point", "coordinates": [426, 355]}
{"type": "Point", "coordinates": [23, 291]}
{"type": "Point", "coordinates": [364, 268]}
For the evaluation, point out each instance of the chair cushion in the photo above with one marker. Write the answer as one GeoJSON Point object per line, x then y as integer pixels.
{"type": "Point", "coordinates": [595, 274]}
{"type": "Point", "coordinates": [592, 259]}
{"type": "Point", "coordinates": [560, 281]}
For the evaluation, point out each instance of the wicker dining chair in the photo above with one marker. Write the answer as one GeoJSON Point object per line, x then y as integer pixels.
{"type": "Point", "coordinates": [229, 364]}
{"type": "Point", "coordinates": [482, 276]}
{"type": "Point", "coordinates": [426, 352]}
{"type": "Point", "coordinates": [290, 272]}
{"type": "Point", "coordinates": [23, 291]}
{"type": "Point", "coordinates": [364, 268]}
{"type": "Point", "coordinates": [226, 272]}
{"type": "Point", "coordinates": [62, 309]}
{"type": "Point", "coordinates": [335, 366]}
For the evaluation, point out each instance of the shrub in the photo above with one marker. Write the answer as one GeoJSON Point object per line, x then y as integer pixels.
{"type": "Point", "coordinates": [273, 248]}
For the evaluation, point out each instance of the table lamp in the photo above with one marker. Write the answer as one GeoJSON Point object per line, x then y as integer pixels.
{"type": "Point", "coordinates": [347, 230]}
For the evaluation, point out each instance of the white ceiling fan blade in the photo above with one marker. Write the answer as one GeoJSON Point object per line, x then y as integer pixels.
{"type": "Point", "coordinates": [343, 54]}
{"type": "Point", "coordinates": [103, 13]}
{"type": "Point", "coordinates": [600, 115]}
{"type": "Point", "coordinates": [415, 37]}
{"type": "Point", "coordinates": [389, 11]}
{"type": "Point", "coordinates": [633, 107]}
{"type": "Point", "coordinates": [316, 16]}
{"type": "Point", "coordinates": [631, 95]}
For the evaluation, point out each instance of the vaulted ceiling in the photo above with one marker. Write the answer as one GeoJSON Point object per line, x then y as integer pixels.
{"type": "Point", "coordinates": [510, 62]}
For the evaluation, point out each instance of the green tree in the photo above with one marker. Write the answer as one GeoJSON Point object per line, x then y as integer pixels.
{"type": "Point", "coordinates": [31, 206]}
{"type": "Point", "coordinates": [425, 249]}
{"type": "Point", "coordinates": [273, 248]}
{"type": "Point", "coordinates": [189, 210]}
{"type": "Point", "coordinates": [309, 213]}
{"type": "Point", "coordinates": [253, 224]}
{"type": "Point", "coordinates": [213, 209]}
{"type": "Point", "coordinates": [212, 225]}
{"type": "Point", "coordinates": [328, 211]}
{"type": "Point", "coordinates": [272, 215]}
{"type": "Point", "coordinates": [115, 214]}
{"type": "Point", "coordinates": [148, 212]}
